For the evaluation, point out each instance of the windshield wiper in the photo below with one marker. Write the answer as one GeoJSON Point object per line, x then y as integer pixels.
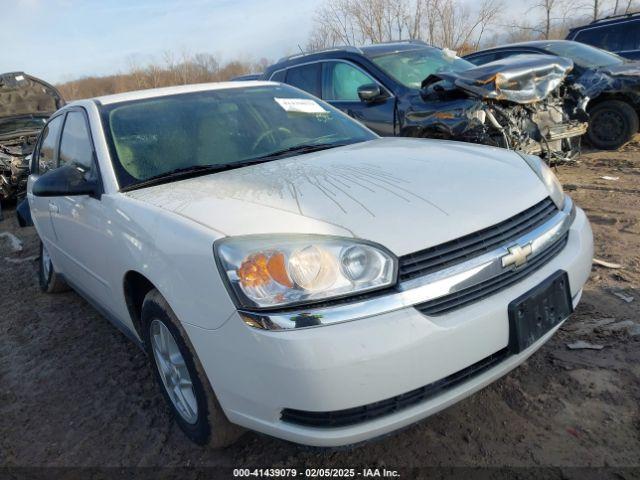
{"type": "Point", "coordinates": [304, 148]}
{"type": "Point", "coordinates": [188, 172]}
{"type": "Point", "coordinates": [197, 170]}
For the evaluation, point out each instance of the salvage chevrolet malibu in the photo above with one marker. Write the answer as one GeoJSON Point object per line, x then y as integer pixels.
{"type": "Point", "coordinates": [290, 272]}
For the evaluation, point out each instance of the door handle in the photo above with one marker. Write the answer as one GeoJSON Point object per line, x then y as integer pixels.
{"type": "Point", "coordinates": [53, 208]}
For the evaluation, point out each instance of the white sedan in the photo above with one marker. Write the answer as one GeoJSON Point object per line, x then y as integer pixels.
{"type": "Point", "coordinates": [288, 271]}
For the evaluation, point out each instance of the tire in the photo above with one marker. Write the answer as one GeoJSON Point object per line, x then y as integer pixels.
{"type": "Point", "coordinates": [612, 124]}
{"type": "Point", "coordinates": [50, 281]}
{"type": "Point", "coordinates": [206, 424]}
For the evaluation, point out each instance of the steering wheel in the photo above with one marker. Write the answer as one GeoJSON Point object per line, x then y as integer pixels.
{"type": "Point", "coordinates": [269, 133]}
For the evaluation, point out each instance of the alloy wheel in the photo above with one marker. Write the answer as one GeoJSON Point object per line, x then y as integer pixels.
{"type": "Point", "coordinates": [47, 266]}
{"type": "Point", "coordinates": [173, 371]}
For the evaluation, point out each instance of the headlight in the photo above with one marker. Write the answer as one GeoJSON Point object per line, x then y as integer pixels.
{"type": "Point", "coordinates": [547, 176]}
{"type": "Point", "coordinates": [275, 271]}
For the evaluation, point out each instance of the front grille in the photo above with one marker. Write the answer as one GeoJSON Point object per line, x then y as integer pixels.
{"type": "Point", "coordinates": [351, 416]}
{"type": "Point", "coordinates": [482, 290]}
{"type": "Point", "coordinates": [450, 253]}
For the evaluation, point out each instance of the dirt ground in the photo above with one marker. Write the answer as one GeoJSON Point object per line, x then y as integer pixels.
{"type": "Point", "coordinates": [75, 392]}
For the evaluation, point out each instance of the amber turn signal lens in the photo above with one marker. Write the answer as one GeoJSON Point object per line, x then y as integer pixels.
{"type": "Point", "coordinates": [259, 269]}
{"type": "Point", "coordinates": [253, 271]}
{"type": "Point", "coordinates": [278, 270]}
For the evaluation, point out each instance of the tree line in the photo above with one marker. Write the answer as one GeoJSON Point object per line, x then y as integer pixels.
{"type": "Point", "coordinates": [169, 70]}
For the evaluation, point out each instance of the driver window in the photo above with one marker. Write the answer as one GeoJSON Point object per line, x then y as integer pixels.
{"type": "Point", "coordinates": [47, 149]}
{"type": "Point", "coordinates": [342, 82]}
{"type": "Point", "coordinates": [75, 145]}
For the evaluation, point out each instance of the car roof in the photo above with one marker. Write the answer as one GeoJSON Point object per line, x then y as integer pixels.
{"type": "Point", "coordinates": [176, 90]}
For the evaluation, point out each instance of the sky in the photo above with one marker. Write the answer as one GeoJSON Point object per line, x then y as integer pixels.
{"type": "Point", "coordinates": [60, 40]}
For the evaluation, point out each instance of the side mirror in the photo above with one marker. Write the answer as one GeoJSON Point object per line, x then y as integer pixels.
{"type": "Point", "coordinates": [370, 93]}
{"type": "Point", "coordinates": [65, 181]}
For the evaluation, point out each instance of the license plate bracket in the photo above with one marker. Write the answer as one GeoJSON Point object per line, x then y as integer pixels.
{"type": "Point", "coordinates": [539, 310]}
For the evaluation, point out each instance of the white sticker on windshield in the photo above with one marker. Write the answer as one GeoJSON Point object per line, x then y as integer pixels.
{"type": "Point", "coordinates": [300, 105]}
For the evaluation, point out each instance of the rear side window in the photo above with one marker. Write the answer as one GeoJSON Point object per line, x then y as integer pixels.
{"type": "Point", "coordinates": [482, 59]}
{"type": "Point", "coordinates": [75, 145]}
{"type": "Point", "coordinates": [48, 145]}
{"type": "Point", "coordinates": [306, 77]}
{"type": "Point", "coordinates": [609, 38]}
{"type": "Point", "coordinates": [512, 53]}
{"type": "Point", "coordinates": [630, 35]}
{"type": "Point", "coordinates": [278, 76]}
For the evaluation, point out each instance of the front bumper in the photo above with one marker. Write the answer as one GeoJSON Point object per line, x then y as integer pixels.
{"type": "Point", "coordinates": [258, 373]}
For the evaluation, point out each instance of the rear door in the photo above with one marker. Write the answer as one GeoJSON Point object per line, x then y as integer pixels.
{"type": "Point", "coordinates": [80, 222]}
{"type": "Point", "coordinates": [340, 83]}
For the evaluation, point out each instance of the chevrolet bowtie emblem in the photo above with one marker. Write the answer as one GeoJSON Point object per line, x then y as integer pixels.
{"type": "Point", "coordinates": [517, 255]}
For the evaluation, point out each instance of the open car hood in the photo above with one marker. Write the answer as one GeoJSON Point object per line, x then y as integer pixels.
{"type": "Point", "coordinates": [22, 94]}
{"type": "Point", "coordinates": [519, 79]}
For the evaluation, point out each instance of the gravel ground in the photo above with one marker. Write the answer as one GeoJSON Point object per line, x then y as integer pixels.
{"type": "Point", "coordinates": [75, 392]}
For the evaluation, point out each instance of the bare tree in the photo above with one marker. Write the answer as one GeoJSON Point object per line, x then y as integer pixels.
{"type": "Point", "coordinates": [549, 8]}
{"type": "Point", "coordinates": [601, 8]}
{"type": "Point", "coordinates": [448, 23]}
{"type": "Point", "coordinates": [615, 7]}
{"type": "Point", "coordinates": [554, 21]}
{"type": "Point", "coordinates": [198, 68]}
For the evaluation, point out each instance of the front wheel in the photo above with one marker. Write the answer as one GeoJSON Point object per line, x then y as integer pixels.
{"type": "Point", "coordinates": [181, 377]}
{"type": "Point", "coordinates": [50, 280]}
{"type": "Point", "coordinates": [612, 124]}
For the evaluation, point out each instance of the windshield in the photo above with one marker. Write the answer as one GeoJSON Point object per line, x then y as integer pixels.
{"type": "Point", "coordinates": [583, 55]}
{"type": "Point", "coordinates": [412, 67]}
{"type": "Point", "coordinates": [154, 137]}
{"type": "Point", "coordinates": [22, 124]}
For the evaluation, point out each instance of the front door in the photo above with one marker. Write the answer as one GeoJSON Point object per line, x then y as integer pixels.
{"type": "Point", "coordinates": [44, 159]}
{"type": "Point", "coordinates": [340, 83]}
{"type": "Point", "coordinates": [81, 225]}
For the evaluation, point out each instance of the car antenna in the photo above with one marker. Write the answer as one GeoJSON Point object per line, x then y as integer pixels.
{"type": "Point", "coordinates": [301, 51]}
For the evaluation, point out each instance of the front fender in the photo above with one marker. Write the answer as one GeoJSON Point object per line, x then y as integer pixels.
{"type": "Point", "coordinates": [176, 255]}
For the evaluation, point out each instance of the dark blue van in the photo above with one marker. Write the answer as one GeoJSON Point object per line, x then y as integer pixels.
{"type": "Point", "coordinates": [619, 34]}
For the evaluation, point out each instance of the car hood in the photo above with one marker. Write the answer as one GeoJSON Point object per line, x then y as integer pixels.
{"type": "Point", "coordinates": [520, 79]}
{"type": "Point", "coordinates": [406, 194]}
{"type": "Point", "coordinates": [22, 94]}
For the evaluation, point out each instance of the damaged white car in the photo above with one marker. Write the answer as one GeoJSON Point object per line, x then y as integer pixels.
{"type": "Point", "coordinates": [25, 104]}
{"type": "Point", "coordinates": [290, 272]}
